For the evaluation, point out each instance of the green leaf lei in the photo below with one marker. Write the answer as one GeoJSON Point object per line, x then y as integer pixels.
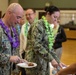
{"type": "Point", "coordinates": [50, 33]}
{"type": "Point", "coordinates": [27, 25]}
{"type": "Point", "coordinates": [26, 29]}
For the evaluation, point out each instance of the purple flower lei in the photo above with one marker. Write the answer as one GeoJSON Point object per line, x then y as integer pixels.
{"type": "Point", "coordinates": [15, 41]}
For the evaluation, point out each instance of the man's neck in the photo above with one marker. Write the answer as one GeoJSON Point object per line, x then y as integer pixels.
{"type": "Point", "coordinates": [6, 23]}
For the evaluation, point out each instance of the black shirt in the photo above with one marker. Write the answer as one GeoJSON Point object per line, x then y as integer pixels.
{"type": "Point", "coordinates": [61, 37]}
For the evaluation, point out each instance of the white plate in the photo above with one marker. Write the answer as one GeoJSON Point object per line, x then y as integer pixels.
{"type": "Point", "coordinates": [25, 65]}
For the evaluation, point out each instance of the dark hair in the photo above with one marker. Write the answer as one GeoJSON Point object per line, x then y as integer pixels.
{"type": "Point", "coordinates": [51, 9]}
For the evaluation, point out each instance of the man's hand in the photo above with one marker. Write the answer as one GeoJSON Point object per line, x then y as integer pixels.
{"type": "Point", "coordinates": [16, 59]}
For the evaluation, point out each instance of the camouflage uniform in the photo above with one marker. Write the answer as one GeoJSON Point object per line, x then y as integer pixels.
{"type": "Point", "coordinates": [38, 51]}
{"type": "Point", "coordinates": [5, 53]}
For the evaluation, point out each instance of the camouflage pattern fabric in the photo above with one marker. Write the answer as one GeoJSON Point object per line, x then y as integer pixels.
{"type": "Point", "coordinates": [37, 50]}
{"type": "Point", "coordinates": [5, 53]}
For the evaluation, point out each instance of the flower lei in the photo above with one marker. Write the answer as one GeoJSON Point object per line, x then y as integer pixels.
{"type": "Point", "coordinates": [26, 29]}
{"type": "Point", "coordinates": [27, 25]}
{"type": "Point", "coordinates": [15, 40]}
{"type": "Point", "coordinates": [49, 31]}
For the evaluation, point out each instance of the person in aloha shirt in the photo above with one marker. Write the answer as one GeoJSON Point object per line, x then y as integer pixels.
{"type": "Point", "coordinates": [9, 42]}
{"type": "Point", "coordinates": [30, 15]}
{"type": "Point", "coordinates": [40, 40]}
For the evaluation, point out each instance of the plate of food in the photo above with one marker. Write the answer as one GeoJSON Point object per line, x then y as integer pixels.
{"type": "Point", "coordinates": [27, 65]}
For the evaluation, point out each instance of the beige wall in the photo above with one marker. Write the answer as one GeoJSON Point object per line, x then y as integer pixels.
{"type": "Point", "coordinates": [12, 1]}
{"type": "Point", "coordinates": [3, 5]}
{"type": "Point", "coordinates": [41, 3]}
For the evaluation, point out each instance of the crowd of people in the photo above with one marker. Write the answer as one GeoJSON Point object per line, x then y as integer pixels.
{"type": "Point", "coordinates": [31, 40]}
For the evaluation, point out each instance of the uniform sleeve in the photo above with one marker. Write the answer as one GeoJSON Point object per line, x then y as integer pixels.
{"type": "Point", "coordinates": [4, 57]}
{"type": "Point", "coordinates": [55, 56]}
{"type": "Point", "coordinates": [39, 48]}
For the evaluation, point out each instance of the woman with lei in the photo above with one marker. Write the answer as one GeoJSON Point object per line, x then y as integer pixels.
{"type": "Point", "coordinates": [40, 41]}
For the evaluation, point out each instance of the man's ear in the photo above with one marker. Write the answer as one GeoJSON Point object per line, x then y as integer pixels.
{"type": "Point", "coordinates": [10, 12]}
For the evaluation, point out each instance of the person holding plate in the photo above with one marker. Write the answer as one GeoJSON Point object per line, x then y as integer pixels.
{"type": "Point", "coordinates": [9, 41]}
{"type": "Point", "coordinates": [40, 40]}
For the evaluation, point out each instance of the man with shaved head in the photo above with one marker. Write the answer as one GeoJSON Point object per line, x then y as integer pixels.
{"type": "Point", "coordinates": [9, 41]}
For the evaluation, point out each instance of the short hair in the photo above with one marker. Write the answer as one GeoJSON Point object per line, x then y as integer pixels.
{"type": "Point", "coordinates": [13, 6]}
{"type": "Point", "coordinates": [51, 9]}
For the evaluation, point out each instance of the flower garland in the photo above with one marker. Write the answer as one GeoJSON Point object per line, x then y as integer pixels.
{"type": "Point", "coordinates": [14, 41]}
{"type": "Point", "coordinates": [49, 30]}
{"type": "Point", "coordinates": [28, 25]}
{"type": "Point", "coordinates": [26, 28]}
